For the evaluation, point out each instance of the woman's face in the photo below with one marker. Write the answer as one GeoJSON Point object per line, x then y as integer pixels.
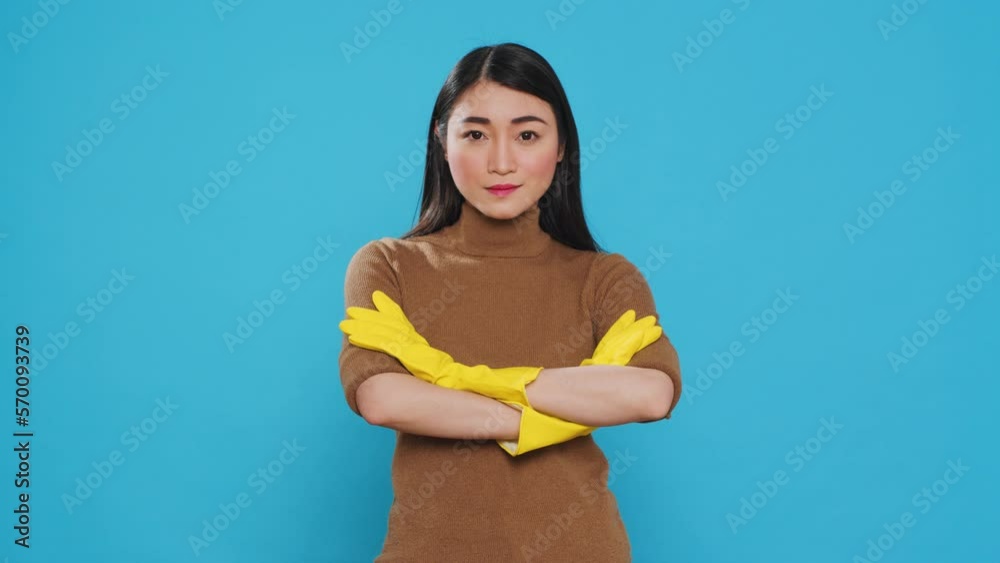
{"type": "Point", "coordinates": [497, 135]}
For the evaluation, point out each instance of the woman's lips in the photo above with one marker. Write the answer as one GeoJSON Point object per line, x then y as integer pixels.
{"type": "Point", "coordinates": [503, 190]}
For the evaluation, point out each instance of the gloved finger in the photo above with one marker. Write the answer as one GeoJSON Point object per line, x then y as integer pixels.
{"type": "Point", "coordinates": [365, 313]}
{"type": "Point", "coordinates": [645, 322]}
{"type": "Point", "coordinates": [362, 313]}
{"type": "Point", "coordinates": [393, 332]}
{"type": "Point", "coordinates": [408, 353]}
{"type": "Point", "coordinates": [363, 341]}
{"type": "Point", "coordinates": [385, 304]}
{"type": "Point", "coordinates": [650, 336]}
{"type": "Point", "coordinates": [611, 348]}
{"type": "Point", "coordinates": [602, 347]}
{"type": "Point", "coordinates": [614, 333]}
{"type": "Point", "coordinates": [366, 317]}
{"type": "Point", "coordinates": [641, 339]}
{"type": "Point", "coordinates": [388, 333]}
{"type": "Point", "coordinates": [357, 325]}
{"type": "Point", "coordinates": [625, 338]}
{"type": "Point", "coordinates": [630, 344]}
{"type": "Point", "coordinates": [645, 326]}
{"type": "Point", "coordinates": [626, 318]}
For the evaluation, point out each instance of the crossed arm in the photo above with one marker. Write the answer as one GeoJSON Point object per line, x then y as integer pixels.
{"type": "Point", "coordinates": [595, 395]}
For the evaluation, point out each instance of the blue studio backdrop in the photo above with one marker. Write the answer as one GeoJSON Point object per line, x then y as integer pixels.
{"type": "Point", "coordinates": [808, 187]}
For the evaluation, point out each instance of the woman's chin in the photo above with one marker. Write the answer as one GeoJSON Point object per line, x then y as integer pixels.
{"type": "Point", "coordinates": [505, 208]}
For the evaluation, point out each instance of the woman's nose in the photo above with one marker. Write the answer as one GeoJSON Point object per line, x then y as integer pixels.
{"type": "Point", "coordinates": [501, 160]}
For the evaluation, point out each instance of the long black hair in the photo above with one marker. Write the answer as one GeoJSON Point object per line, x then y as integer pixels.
{"type": "Point", "coordinates": [522, 69]}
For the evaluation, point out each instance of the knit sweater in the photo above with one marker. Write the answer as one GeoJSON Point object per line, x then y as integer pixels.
{"type": "Point", "coordinates": [501, 293]}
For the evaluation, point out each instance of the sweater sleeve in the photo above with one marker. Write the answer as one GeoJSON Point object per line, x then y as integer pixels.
{"type": "Point", "coordinates": [369, 269]}
{"type": "Point", "coordinates": [617, 286]}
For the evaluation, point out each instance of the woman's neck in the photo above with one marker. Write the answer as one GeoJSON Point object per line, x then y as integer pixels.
{"type": "Point", "coordinates": [480, 235]}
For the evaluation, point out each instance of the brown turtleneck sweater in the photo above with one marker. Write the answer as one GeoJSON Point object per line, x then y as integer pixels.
{"type": "Point", "coordinates": [500, 293]}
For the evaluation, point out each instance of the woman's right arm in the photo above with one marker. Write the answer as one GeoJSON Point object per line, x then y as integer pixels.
{"type": "Point", "coordinates": [380, 389]}
{"type": "Point", "coordinates": [403, 402]}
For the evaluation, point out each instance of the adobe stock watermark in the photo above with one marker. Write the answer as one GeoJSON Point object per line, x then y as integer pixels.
{"type": "Point", "coordinates": [563, 11]}
{"type": "Point", "coordinates": [925, 500]}
{"type": "Point", "coordinates": [914, 168]}
{"type": "Point", "coordinates": [223, 7]}
{"type": "Point", "coordinates": [698, 43]}
{"type": "Point", "coordinates": [122, 107]}
{"type": "Point", "coordinates": [796, 459]}
{"type": "Point", "coordinates": [32, 25]}
{"type": "Point", "coordinates": [132, 439]}
{"type": "Point", "coordinates": [593, 149]}
{"type": "Point", "coordinates": [407, 165]}
{"type": "Point", "coordinates": [258, 481]}
{"type": "Point", "coordinates": [789, 124]}
{"type": "Point", "coordinates": [957, 297]}
{"type": "Point", "coordinates": [588, 153]}
{"type": "Point", "coordinates": [365, 33]}
{"type": "Point", "coordinates": [753, 329]}
{"type": "Point", "coordinates": [408, 503]}
{"type": "Point", "coordinates": [425, 316]}
{"type": "Point", "coordinates": [293, 278]}
{"type": "Point", "coordinates": [559, 523]}
{"type": "Point", "coordinates": [250, 148]}
{"type": "Point", "coordinates": [900, 15]}
{"type": "Point", "coordinates": [88, 309]}
{"type": "Point", "coordinates": [620, 294]}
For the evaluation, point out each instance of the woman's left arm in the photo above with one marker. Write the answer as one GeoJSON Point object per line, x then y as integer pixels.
{"type": "Point", "coordinates": [645, 390]}
{"type": "Point", "coordinates": [599, 395]}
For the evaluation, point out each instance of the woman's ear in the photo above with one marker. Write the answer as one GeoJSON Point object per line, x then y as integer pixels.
{"type": "Point", "coordinates": [444, 145]}
{"type": "Point", "coordinates": [562, 149]}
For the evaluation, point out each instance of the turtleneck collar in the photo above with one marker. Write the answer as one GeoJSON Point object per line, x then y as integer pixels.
{"type": "Point", "coordinates": [479, 235]}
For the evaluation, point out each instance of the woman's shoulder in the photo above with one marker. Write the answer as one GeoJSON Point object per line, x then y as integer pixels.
{"type": "Point", "coordinates": [603, 263]}
{"type": "Point", "coordinates": [612, 271]}
{"type": "Point", "coordinates": [392, 249]}
{"type": "Point", "coordinates": [606, 263]}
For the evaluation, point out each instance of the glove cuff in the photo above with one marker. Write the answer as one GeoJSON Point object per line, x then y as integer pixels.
{"type": "Point", "coordinates": [538, 430]}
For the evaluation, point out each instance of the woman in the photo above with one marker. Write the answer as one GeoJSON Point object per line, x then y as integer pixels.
{"type": "Point", "coordinates": [495, 462]}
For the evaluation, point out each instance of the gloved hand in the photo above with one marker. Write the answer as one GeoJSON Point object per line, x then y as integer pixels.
{"type": "Point", "coordinates": [386, 329]}
{"type": "Point", "coordinates": [622, 341]}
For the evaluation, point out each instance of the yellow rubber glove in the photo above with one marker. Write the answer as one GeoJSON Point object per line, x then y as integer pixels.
{"type": "Point", "coordinates": [538, 430]}
{"type": "Point", "coordinates": [386, 329]}
{"type": "Point", "coordinates": [622, 341]}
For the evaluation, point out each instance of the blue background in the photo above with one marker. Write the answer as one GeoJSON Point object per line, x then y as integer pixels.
{"type": "Point", "coordinates": [64, 235]}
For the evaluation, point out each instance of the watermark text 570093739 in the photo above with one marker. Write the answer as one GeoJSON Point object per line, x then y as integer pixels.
{"type": "Point", "coordinates": [22, 360]}
{"type": "Point", "coordinates": [22, 482]}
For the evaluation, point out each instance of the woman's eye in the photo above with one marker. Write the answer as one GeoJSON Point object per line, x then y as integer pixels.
{"type": "Point", "coordinates": [531, 136]}
{"type": "Point", "coordinates": [475, 135]}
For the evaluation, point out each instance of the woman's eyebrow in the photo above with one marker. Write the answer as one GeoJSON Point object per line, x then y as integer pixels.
{"type": "Point", "coordinates": [515, 121]}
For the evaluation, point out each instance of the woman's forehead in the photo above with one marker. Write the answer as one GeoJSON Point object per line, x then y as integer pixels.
{"type": "Point", "coordinates": [499, 104]}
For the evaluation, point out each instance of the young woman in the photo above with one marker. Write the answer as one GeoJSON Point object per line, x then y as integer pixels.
{"type": "Point", "coordinates": [518, 328]}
